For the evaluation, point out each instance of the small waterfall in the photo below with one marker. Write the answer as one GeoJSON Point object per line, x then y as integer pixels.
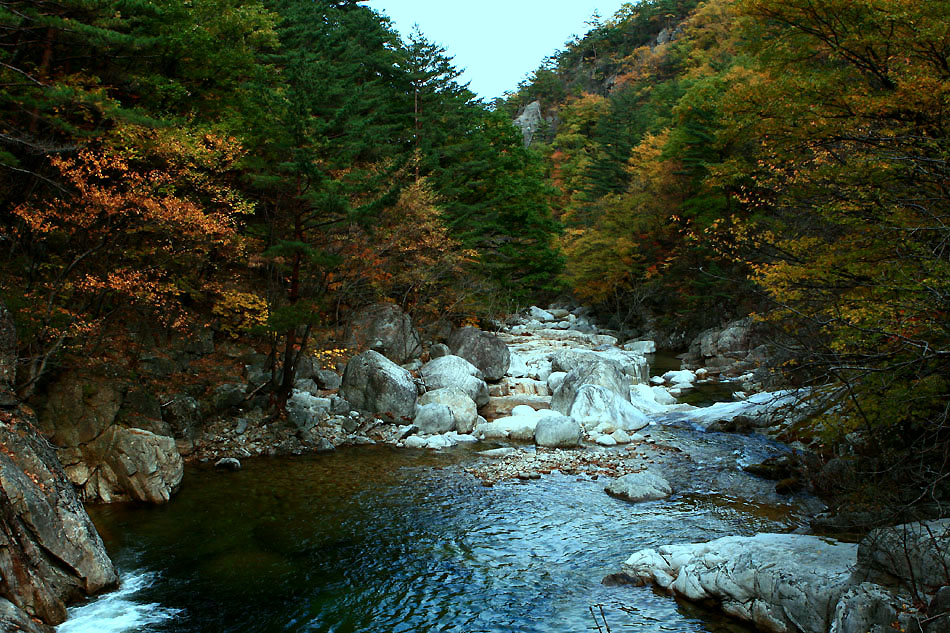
{"type": "Point", "coordinates": [118, 611]}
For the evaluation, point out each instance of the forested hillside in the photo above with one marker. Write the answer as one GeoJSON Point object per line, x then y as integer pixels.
{"type": "Point", "coordinates": [783, 158]}
{"type": "Point", "coordinates": [259, 167]}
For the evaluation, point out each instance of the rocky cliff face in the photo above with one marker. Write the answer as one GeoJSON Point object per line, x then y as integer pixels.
{"type": "Point", "coordinates": [50, 552]}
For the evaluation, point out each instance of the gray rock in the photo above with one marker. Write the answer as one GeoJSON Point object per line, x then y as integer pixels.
{"type": "Point", "coordinates": [594, 405]}
{"type": "Point", "coordinates": [916, 554]}
{"type": "Point", "coordinates": [182, 413]}
{"type": "Point", "coordinates": [439, 350]}
{"type": "Point", "coordinates": [228, 463]}
{"type": "Point", "coordinates": [134, 465]}
{"type": "Point", "coordinates": [557, 431]}
{"type": "Point", "coordinates": [642, 486]}
{"type": "Point", "coordinates": [462, 406]}
{"type": "Point", "coordinates": [455, 371]}
{"type": "Point", "coordinates": [555, 379]}
{"type": "Point", "coordinates": [866, 607]}
{"type": "Point", "coordinates": [307, 385]}
{"type": "Point", "coordinates": [780, 582]}
{"type": "Point", "coordinates": [227, 396]}
{"type": "Point", "coordinates": [602, 373]}
{"type": "Point", "coordinates": [374, 383]}
{"type": "Point", "coordinates": [327, 379]}
{"type": "Point", "coordinates": [529, 121]}
{"type": "Point", "coordinates": [434, 418]}
{"type": "Point", "coordinates": [385, 328]}
{"type": "Point", "coordinates": [15, 620]}
{"type": "Point", "coordinates": [50, 553]}
{"type": "Point", "coordinates": [544, 316]}
{"type": "Point", "coordinates": [483, 349]}
{"type": "Point", "coordinates": [640, 347]}
{"type": "Point", "coordinates": [305, 410]}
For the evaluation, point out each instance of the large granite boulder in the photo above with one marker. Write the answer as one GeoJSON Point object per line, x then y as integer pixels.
{"type": "Point", "coordinates": [455, 371]}
{"type": "Point", "coordinates": [460, 403]}
{"type": "Point", "coordinates": [483, 349]}
{"type": "Point", "coordinates": [594, 405]}
{"type": "Point", "coordinates": [50, 552]}
{"type": "Point", "coordinates": [376, 384]}
{"type": "Point", "coordinates": [780, 582]}
{"type": "Point", "coordinates": [434, 418]}
{"type": "Point", "coordinates": [554, 430]}
{"type": "Point", "coordinates": [385, 328]}
{"type": "Point", "coordinates": [606, 374]}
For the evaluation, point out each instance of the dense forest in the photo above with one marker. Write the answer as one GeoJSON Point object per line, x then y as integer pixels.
{"type": "Point", "coordinates": [264, 167]}
{"type": "Point", "coordinates": [786, 159]}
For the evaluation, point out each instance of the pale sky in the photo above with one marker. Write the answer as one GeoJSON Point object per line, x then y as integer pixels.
{"type": "Point", "coordinates": [497, 42]}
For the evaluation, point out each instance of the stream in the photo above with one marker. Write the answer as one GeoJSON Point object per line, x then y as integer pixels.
{"type": "Point", "coordinates": [385, 539]}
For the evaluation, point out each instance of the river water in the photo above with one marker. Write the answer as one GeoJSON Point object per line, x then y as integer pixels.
{"type": "Point", "coordinates": [379, 539]}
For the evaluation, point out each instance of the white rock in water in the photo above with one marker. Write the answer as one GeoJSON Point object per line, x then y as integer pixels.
{"type": "Point", "coordinates": [641, 347]}
{"type": "Point", "coordinates": [415, 441]}
{"type": "Point", "coordinates": [642, 486]}
{"type": "Point", "coordinates": [682, 378]}
{"type": "Point", "coordinates": [594, 405]}
{"type": "Point", "coordinates": [782, 582]}
{"type": "Point", "coordinates": [662, 396]}
{"type": "Point", "coordinates": [606, 440]}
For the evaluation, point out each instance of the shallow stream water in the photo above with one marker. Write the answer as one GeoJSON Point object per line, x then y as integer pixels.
{"type": "Point", "coordinates": [390, 540]}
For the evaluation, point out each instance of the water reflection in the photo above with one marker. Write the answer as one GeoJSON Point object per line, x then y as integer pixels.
{"type": "Point", "coordinates": [375, 539]}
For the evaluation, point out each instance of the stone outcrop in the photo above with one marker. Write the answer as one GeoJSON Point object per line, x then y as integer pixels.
{"type": "Point", "coordinates": [106, 460]}
{"type": "Point", "coordinates": [376, 384]}
{"type": "Point", "coordinates": [482, 349]}
{"type": "Point", "coordinates": [385, 328]}
{"type": "Point", "coordinates": [529, 121]}
{"type": "Point", "coordinates": [50, 553]}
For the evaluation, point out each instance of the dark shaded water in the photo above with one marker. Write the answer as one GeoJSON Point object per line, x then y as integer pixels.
{"type": "Point", "coordinates": [379, 539]}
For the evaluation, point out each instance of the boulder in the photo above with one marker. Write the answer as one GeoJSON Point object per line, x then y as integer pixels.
{"type": "Point", "coordinates": [642, 486]}
{"type": "Point", "coordinates": [385, 328]}
{"type": "Point", "coordinates": [434, 418]}
{"type": "Point", "coordinates": [518, 427]}
{"type": "Point", "coordinates": [518, 368]}
{"type": "Point", "coordinates": [228, 463]}
{"type": "Point", "coordinates": [594, 405]}
{"type": "Point", "coordinates": [462, 406]}
{"type": "Point", "coordinates": [15, 620]}
{"type": "Point", "coordinates": [326, 379]}
{"type": "Point", "coordinates": [305, 410]}
{"type": "Point", "coordinates": [557, 431]}
{"type": "Point", "coordinates": [544, 316]}
{"type": "Point", "coordinates": [454, 371]}
{"type": "Point", "coordinates": [780, 582]}
{"type": "Point", "coordinates": [50, 552]}
{"type": "Point", "coordinates": [917, 555]}
{"type": "Point", "coordinates": [376, 384]}
{"type": "Point", "coordinates": [640, 347]}
{"type": "Point", "coordinates": [182, 413]}
{"type": "Point", "coordinates": [439, 350]}
{"type": "Point", "coordinates": [602, 373]}
{"type": "Point", "coordinates": [483, 349]}
{"type": "Point", "coordinates": [555, 379]}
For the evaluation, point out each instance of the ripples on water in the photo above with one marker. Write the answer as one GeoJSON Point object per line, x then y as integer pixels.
{"type": "Point", "coordinates": [383, 540]}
